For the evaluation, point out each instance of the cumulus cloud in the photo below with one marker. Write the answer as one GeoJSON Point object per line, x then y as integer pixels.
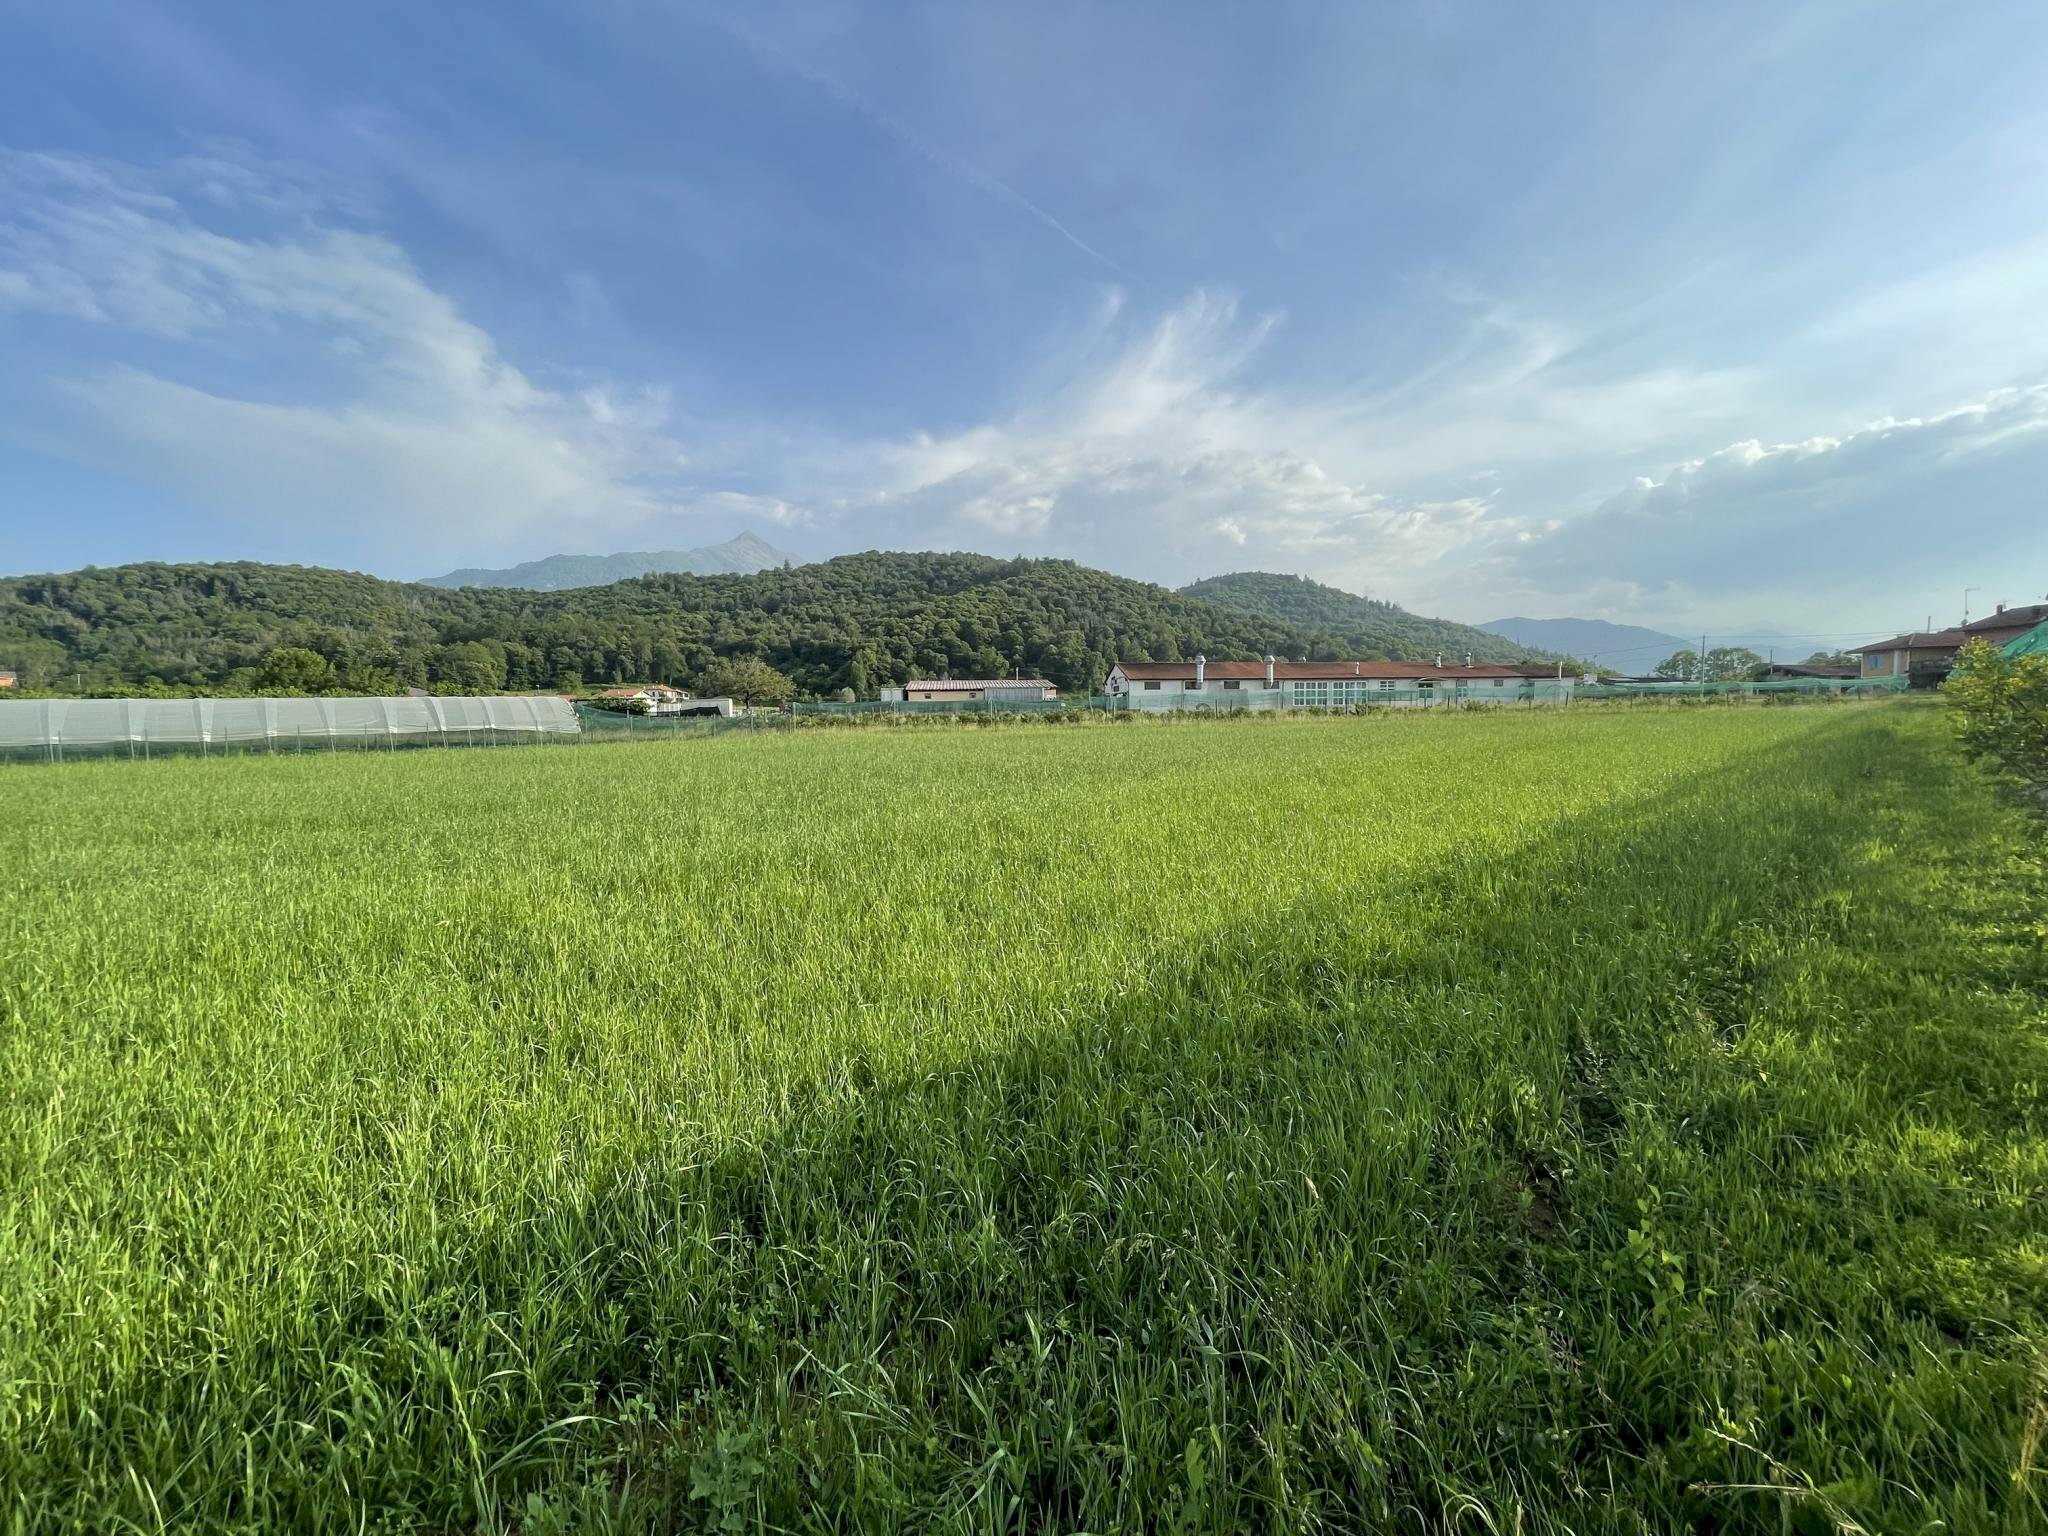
{"type": "Point", "coordinates": [1822, 526]}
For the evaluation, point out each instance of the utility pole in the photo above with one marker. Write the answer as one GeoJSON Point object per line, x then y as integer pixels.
{"type": "Point", "coordinates": [1703, 659]}
{"type": "Point", "coordinates": [1966, 601]}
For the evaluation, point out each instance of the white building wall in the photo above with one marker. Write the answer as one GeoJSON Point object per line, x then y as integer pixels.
{"type": "Point", "coordinates": [1346, 693]}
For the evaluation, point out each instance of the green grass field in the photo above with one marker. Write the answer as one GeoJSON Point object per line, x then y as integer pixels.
{"type": "Point", "coordinates": [1593, 1121]}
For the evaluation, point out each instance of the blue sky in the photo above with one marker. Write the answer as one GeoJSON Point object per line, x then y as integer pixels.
{"type": "Point", "coordinates": [1708, 317]}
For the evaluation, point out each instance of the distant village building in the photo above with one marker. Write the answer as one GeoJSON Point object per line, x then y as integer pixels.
{"type": "Point", "coordinates": [8, 680]}
{"type": "Point", "coordinates": [1328, 684]}
{"type": "Point", "coordinates": [2005, 625]}
{"type": "Point", "coordinates": [703, 706]}
{"type": "Point", "coordinates": [966, 690]}
{"type": "Point", "coordinates": [1799, 671]}
{"type": "Point", "coordinates": [1923, 656]}
{"type": "Point", "coordinates": [659, 698]}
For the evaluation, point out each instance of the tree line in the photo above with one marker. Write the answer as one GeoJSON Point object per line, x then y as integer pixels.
{"type": "Point", "coordinates": [858, 622]}
{"type": "Point", "coordinates": [1736, 663]}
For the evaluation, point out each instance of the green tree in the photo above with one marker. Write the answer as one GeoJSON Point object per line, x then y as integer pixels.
{"type": "Point", "coordinates": [475, 666]}
{"type": "Point", "coordinates": [2001, 707]}
{"type": "Point", "coordinates": [746, 680]}
{"type": "Point", "coordinates": [1732, 663]}
{"type": "Point", "coordinates": [375, 682]}
{"type": "Point", "coordinates": [292, 669]}
{"type": "Point", "coordinates": [1679, 667]}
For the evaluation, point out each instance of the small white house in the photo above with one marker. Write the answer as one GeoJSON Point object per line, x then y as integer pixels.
{"type": "Point", "coordinates": [659, 698]}
{"type": "Point", "coordinates": [1276, 684]}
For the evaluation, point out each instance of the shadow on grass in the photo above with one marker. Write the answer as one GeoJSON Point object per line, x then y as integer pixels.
{"type": "Point", "coordinates": [1679, 1172]}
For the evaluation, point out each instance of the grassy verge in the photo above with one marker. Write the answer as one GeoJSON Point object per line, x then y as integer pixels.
{"type": "Point", "coordinates": [1623, 1121]}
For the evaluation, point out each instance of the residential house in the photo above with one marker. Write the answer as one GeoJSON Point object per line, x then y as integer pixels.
{"type": "Point", "coordinates": [659, 698]}
{"type": "Point", "coordinates": [9, 680]}
{"type": "Point", "coordinates": [2005, 625]}
{"type": "Point", "coordinates": [1276, 684]}
{"type": "Point", "coordinates": [1923, 657]}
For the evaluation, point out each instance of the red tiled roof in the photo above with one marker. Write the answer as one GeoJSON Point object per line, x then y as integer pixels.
{"type": "Point", "coordinates": [1330, 671]}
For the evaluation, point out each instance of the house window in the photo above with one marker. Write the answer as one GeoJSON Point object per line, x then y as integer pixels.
{"type": "Point", "coordinates": [1152, 687]}
{"type": "Point", "coordinates": [1500, 682]}
{"type": "Point", "coordinates": [1386, 685]}
{"type": "Point", "coordinates": [1191, 685]}
{"type": "Point", "coordinates": [1230, 682]}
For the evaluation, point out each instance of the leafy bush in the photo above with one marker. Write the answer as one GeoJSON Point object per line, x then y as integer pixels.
{"type": "Point", "coordinates": [2002, 707]}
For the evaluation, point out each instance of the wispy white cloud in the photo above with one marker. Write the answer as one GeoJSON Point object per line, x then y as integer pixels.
{"type": "Point", "coordinates": [418, 430]}
{"type": "Point", "coordinates": [1150, 455]}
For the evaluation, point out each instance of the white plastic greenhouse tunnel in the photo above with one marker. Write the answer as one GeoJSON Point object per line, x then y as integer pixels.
{"type": "Point", "coordinates": [56, 728]}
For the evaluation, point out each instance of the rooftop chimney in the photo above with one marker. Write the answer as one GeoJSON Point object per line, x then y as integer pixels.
{"type": "Point", "coordinates": [1468, 658]}
{"type": "Point", "coordinates": [1269, 669]}
{"type": "Point", "coordinates": [1439, 661]}
{"type": "Point", "coordinates": [1201, 670]}
{"type": "Point", "coordinates": [1998, 610]}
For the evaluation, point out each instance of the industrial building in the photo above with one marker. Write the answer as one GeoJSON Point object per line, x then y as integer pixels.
{"type": "Point", "coordinates": [968, 690]}
{"type": "Point", "coordinates": [1276, 684]}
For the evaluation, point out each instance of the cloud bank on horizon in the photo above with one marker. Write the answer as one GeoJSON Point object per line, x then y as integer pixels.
{"type": "Point", "coordinates": [1705, 321]}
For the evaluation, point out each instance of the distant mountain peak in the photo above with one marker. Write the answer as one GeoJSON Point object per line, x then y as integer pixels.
{"type": "Point", "coordinates": [739, 556]}
{"type": "Point", "coordinates": [1624, 647]}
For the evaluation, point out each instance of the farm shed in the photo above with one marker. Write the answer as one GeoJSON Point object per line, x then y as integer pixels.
{"type": "Point", "coordinates": [966, 690]}
{"type": "Point", "coordinates": [1794, 671]}
{"type": "Point", "coordinates": [58, 727]}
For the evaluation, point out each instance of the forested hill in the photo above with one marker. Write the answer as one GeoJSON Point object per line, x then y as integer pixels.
{"type": "Point", "coordinates": [1357, 625]}
{"type": "Point", "coordinates": [858, 621]}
